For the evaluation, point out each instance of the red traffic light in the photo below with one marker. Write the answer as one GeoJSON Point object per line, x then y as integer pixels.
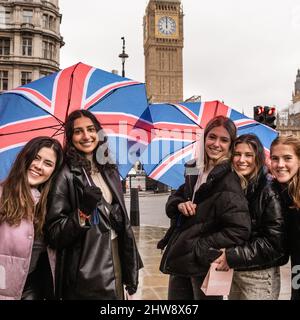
{"type": "Point", "coordinates": [259, 110]}
{"type": "Point", "coordinates": [259, 114]}
{"type": "Point", "coordinates": [271, 111]}
{"type": "Point", "coordinates": [270, 117]}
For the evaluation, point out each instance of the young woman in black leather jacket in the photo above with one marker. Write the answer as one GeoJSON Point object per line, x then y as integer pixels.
{"type": "Point", "coordinates": [97, 253]}
{"type": "Point", "coordinates": [256, 263]}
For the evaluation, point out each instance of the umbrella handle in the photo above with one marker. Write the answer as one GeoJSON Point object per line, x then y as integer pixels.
{"type": "Point", "coordinates": [87, 178]}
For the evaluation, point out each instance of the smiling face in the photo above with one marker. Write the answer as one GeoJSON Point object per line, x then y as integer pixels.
{"type": "Point", "coordinates": [284, 162]}
{"type": "Point", "coordinates": [85, 137]}
{"type": "Point", "coordinates": [217, 143]}
{"type": "Point", "coordinates": [244, 159]}
{"type": "Point", "coordinates": [42, 167]}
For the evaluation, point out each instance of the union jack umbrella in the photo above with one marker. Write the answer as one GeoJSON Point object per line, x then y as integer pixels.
{"type": "Point", "coordinates": [174, 134]}
{"type": "Point", "coordinates": [41, 107]}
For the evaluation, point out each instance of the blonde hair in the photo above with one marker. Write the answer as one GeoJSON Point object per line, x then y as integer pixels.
{"type": "Point", "coordinates": [294, 183]}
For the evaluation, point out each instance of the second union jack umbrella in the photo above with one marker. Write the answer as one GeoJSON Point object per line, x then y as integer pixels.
{"type": "Point", "coordinates": [174, 135]}
{"type": "Point", "coordinates": [41, 107]}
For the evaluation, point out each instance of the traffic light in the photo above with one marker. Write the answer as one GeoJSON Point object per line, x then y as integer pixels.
{"type": "Point", "coordinates": [259, 114]}
{"type": "Point", "coordinates": [265, 115]}
{"type": "Point", "coordinates": [270, 117]}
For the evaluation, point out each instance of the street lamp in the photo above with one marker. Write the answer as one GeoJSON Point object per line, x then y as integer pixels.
{"type": "Point", "coordinates": [123, 57]}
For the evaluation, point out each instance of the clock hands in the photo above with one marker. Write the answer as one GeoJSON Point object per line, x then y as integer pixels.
{"type": "Point", "coordinates": [166, 25]}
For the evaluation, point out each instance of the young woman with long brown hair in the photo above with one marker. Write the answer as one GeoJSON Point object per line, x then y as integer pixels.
{"type": "Point", "coordinates": [210, 211]}
{"type": "Point", "coordinates": [256, 263]}
{"type": "Point", "coordinates": [24, 262]}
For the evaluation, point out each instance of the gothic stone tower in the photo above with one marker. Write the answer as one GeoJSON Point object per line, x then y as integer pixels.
{"type": "Point", "coordinates": [163, 45]}
{"type": "Point", "coordinates": [296, 94]}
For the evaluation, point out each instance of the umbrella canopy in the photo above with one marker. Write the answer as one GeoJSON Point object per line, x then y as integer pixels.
{"type": "Point", "coordinates": [41, 107]}
{"type": "Point", "coordinates": [175, 131]}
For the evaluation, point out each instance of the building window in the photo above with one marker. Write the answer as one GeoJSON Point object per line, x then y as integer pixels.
{"type": "Point", "coordinates": [49, 50]}
{"type": "Point", "coordinates": [3, 80]}
{"type": "Point", "coordinates": [48, 22]}
{"type": "Point", "coordinates": [4, 46]}
{"type": "Point", "coordinates": [27, 46]}
{"type": "Point", "coordinates": [45, 73]}
{"type": "Point", "coordinates": [27, 16]}
{"type": "Point", "coordinates": [5, 16]}
{"type": "Point", "coordinates": [26, 77]}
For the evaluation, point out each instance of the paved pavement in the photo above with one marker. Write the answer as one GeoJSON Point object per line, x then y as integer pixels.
{"type": "Point", "coordinates": [153, 225]}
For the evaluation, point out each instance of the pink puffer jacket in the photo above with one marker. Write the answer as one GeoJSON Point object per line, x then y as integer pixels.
{"type": "Point", "coordinates": [15, 253]}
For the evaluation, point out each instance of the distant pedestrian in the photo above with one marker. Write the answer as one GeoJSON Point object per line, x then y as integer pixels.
{"type": "Point", "coordinates": [285, 165]}
{"type": "Point", "coordinates": [208, 211]}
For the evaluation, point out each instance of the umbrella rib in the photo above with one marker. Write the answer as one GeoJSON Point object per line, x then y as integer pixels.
{"type": "Point", "coordinates": [31, 130]}
{"type": "Point", "coordinates": [70, 89]}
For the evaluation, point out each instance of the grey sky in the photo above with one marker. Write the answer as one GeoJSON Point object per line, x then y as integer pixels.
{"type": "Point", "coordinates": [245, 53]}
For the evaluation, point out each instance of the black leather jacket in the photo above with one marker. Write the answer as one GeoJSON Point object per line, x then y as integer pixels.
{"type": "Point", "coordinates": [221, 221]}
{"type": "Point", "coordinates": [84, 268]}
{"type": "Point", "coordinates": [267, 243]}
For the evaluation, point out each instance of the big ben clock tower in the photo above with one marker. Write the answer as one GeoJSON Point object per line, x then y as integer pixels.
{"type": "Point", "coordinates": [163, 44]}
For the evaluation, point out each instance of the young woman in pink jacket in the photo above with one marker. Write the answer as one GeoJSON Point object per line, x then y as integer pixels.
{"type": "Point", "coordinates": [25, 271]}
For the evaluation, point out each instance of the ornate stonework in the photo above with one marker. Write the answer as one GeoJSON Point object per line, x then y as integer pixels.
{"type": "Point", "coordinates": [30, 41]}
{"type": "Point", "coordinates": [163, 45]}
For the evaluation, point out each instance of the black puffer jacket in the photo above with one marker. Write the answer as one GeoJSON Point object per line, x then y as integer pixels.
{"type": "Point", "coordinates": [221, 221]}
{"type": "Point", "coordinates": [266, 246]}
{"type": "Point", "coordinates": [84, 268]}
{"type": "Point", "coordinates": [292, 216]}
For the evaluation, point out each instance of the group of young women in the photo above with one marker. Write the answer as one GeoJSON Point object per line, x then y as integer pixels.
{"type": "Point", "coordinates": [238, 213]}
{"type": "Point", "coordinates": [65, 232]}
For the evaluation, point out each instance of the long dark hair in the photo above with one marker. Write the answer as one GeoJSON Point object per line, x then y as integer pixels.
{"type": "Point", "coordinates": [259, 154]}
{"type": "Point", "coordinates": [16, 202]}
{"type": "Point", "coordinates": [73, 156]}
{"type": "Point", "coordinates": [294, 183]}
{"type": "Point", "coordinates": [228, 125]}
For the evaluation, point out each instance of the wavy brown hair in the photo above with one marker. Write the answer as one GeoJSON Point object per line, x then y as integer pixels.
{"type": "Point", "coordinates": [259, 156]}
{"type": "Point", "coordinates": [16, 202]}
{"type": "Point", "coordinates": [294, 183]}
{"type": "Point", "coordinates": [229, 126]}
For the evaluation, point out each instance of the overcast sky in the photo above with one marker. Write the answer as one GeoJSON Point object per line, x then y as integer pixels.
{"type": "Point", "coordinates": [245, 53]}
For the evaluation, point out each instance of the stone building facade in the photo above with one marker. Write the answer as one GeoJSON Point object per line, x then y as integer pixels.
{"type": "Point", "coordinates": [289, 120]}
{"type": "Point", "coordinates": [30, 41]}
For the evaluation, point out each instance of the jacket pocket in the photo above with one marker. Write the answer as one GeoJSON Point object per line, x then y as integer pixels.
{"type": "Point", "coordinates": [13, 273]}
{"type": "Point", "coordinates": [2, 277]}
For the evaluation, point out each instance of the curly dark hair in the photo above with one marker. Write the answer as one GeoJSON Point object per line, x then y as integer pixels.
{"type": "Point", "coordinates": [76, 158]}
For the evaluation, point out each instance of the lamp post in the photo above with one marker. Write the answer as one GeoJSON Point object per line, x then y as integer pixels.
{"type": "Point", "coordinates": [123, 57]}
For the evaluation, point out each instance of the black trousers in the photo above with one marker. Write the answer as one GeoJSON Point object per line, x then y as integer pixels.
{"type": "Point", "coordinates": [39, 283]}
{"type": "Point", "coordinates": [188, 288]}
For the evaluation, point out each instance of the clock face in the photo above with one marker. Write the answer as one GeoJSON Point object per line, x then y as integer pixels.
{"type": "Point", "coordinates": [166, 25]}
